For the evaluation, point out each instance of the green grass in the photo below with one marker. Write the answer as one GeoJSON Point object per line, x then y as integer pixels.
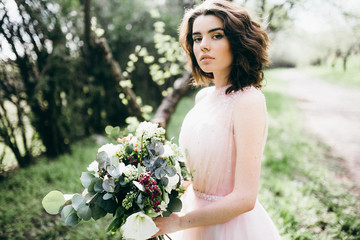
{"type": "Point", "coordinates": [300, 184]}
{"type": "Point", "coordinates": [349, 78]}
{"type": "Point", "coordinates": [300, 187]}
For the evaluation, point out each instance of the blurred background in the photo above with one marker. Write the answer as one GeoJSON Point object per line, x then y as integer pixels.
{"type": "Point", "coordinates": [71, 68]}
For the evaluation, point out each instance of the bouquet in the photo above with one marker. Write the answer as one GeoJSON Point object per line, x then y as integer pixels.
{"type": "Point", "coordinates": [135, 180]}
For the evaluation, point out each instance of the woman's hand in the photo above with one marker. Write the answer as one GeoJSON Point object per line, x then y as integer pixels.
{"type": "Point", "coordinates": [168, 224]}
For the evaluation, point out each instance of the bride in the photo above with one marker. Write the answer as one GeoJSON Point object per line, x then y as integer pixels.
{"type": "Point", "coordinates": [225, 132]}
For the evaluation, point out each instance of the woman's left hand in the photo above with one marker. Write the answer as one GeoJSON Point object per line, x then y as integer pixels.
{"type": "Point", "coordinates": [167, 224]}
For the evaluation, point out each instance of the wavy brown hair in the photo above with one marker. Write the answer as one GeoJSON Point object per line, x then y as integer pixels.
{"type": "Point", "coordinates": [248, 43]}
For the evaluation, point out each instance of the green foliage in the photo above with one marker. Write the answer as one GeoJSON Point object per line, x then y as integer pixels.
{"type": "Point", "coordinates": [53, 201]}
{"type": "Point", "coordinates": [336, 74]}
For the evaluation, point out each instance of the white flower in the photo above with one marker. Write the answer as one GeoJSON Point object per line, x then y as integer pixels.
{"type": "Point", "coordinates": [172, 183]}
{"type": "Point", "coordinates": [130, 170]}
{"type": "Point", "coordinates": [94, 166]}
{"type": "Point", "coordinates": [177, 167]}
{"type": "Point", "coordinates": [110, 149]}
{"type": "Point", "coordinates": [139, 226]}
{"type": "Point", "coordinates": [148, 130]}
{"type": "Point", "coordinates": [164, 204]}
{"type": "Point", "coordinates": [167, 151]}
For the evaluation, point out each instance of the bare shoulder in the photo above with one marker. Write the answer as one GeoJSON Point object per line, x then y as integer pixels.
{"type": "Point", "coordinates": [202, 94]}
{"type": "Point", "coordinates": [250, 97]}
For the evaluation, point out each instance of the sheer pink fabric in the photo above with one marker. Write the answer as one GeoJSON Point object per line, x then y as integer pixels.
{"type": "Point", "coordinates": [207, 138]}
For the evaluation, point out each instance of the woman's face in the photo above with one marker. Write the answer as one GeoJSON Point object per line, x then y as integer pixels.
{"type": "Point", "coordinates": [210, 45]}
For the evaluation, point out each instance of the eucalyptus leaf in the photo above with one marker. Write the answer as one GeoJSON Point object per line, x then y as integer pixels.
{"type": "Point", "coordinates": [166, 214]}
{"type": "Point", "coordinates": [108, 205]}
{"type": "Point", "coordinates": [98, 185]}
{"type": "Point", "coordinates": [86, 179]}
{"type": "Point", "coordinates": [108, 129]}
{"type": "Point", "coordinates": [140, 201]}
{"type": "Point", "coordinates": [90, 188]}
{"type": "Point", "coordinates": [107, 196]}
{"type": "Point", "coordinates": [122, 181]}
{"type": "Point", "coordinates": [77, 201]}
{"type": "Point", "coordinates": [53, 201]}
{"type": "Point", "coordinates": [171, 171]}
{"type": "Point", "coordinates": [109, 185]}
{"type": "Point", "coordinates": [69, 216]}
{"type": "Point", "coordinates": [97, 212]}
{"type": "Point", "coordinates": [165, 181]}
{"type": "Point", "coordinates": [115, 131]}
{"type": "Point", "coordinates": [175, 205]}
{"type": "Point", "coordinates": [101, 158]}
{"type": "Point", "coordinates": [159, 173]}
{"type": "Point", "coordinates": [84, 212]}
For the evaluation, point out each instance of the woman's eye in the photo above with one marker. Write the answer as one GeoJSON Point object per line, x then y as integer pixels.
{"type": "Point", "coordinates": [218, 36]}
{"type": "Point", "coordinates": [197, 39]}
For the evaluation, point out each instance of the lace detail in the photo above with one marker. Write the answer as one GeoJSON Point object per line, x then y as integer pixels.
{"type": "Point", "coordinates": [207, 197]}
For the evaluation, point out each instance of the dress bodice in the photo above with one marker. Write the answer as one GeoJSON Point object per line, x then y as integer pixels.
{"type": "Point", "coordinates": [207, 138]}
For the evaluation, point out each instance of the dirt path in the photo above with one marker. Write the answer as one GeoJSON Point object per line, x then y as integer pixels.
{"type": "Point", "coordinates": [332, 113]}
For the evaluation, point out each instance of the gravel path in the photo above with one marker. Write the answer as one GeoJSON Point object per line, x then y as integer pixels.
{"type": "Point", "coordinates": [332, 113]}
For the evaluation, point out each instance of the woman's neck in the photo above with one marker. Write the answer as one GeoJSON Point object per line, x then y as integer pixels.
{"type": "Point", "coordinates": [221, 79]}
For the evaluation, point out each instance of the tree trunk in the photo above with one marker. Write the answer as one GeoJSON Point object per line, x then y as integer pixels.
{"type": "Point", "coordinates": [168, 104]}
{"type": "Point", "coordinates": [133, 107]}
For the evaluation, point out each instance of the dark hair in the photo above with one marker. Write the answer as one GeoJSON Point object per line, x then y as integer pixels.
{"type": "Point", "coordinates": [248, 43]}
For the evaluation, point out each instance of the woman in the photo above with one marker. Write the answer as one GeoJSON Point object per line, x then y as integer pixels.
{"type": "Point", "coordinates": [224, 134]}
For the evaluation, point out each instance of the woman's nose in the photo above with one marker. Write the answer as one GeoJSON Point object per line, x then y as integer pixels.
{"type": "Point", "coordinates": [205, 45]}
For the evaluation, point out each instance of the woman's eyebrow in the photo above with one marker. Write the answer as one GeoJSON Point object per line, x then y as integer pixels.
{"type": "Point", "coordinates": [210, 31]}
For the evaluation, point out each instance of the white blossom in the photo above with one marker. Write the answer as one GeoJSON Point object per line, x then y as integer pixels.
{"type": "Point", "coordinates": [110, 149]}
{"type": "Point", "coordinates": [172, 183]}
{"type": "Point", "coordinates": [148, 130]}
{"type": "Point", "coordinates": [139, 226]}
{"type": "Point", "coordinates": [94, 166]}
{"type": "Point", "coordinates": [167, 151]}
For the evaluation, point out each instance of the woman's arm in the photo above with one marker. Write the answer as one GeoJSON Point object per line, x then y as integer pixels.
{"type": "Point", "coordinates": [249, 128]}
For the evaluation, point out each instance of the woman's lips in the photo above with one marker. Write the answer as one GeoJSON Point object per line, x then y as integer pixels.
{"type": "Point", "coordinates": [206, 59]}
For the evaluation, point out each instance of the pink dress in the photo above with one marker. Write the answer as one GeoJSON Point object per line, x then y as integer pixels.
{"type": "Point", "coordinates": [207, 138]}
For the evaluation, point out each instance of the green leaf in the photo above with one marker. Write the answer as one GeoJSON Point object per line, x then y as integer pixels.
{"type": "Point", "coordinates": [98, 185]}
{"type": "Point", "coordinates": [115, 131]}
{"type": "Point", "coordinates": [166, 214]}
{"type": "Point", "coordinates": [108, 129]}
{"type": "Point", "coordinates": [101, 158]}
{"type": "Point", "coordinates": [108, 205]}
{"type": "Point", "coordinates": [97, 212]}
{"type": "Point", "coordinates": [114, 225]}
{"type": "Point", "coordinates": [77, 201]}
{"type": "Point", "coordinates": [69, 216]}
{"type": "Point", "coordinates": [84, 212]}
{"type": "Point", "coordinates": [171, 171]}
{"type": "Point", "coordinates": [140, 201]}
{"type": "Point", "coordinates": [109, 185]}
{"type": "Point", "coordinates": [165, 181]}
{"type": "Point", "coordinates": [86, 179]}
{"type": "Point", "coordinates": [175, 205]}
{"type": "Point", "coordinates": [107, 196]}
{"type": "Point", "coordinates": [120, 212]}
{"type": "Point", "coordinates": [53, 201]}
